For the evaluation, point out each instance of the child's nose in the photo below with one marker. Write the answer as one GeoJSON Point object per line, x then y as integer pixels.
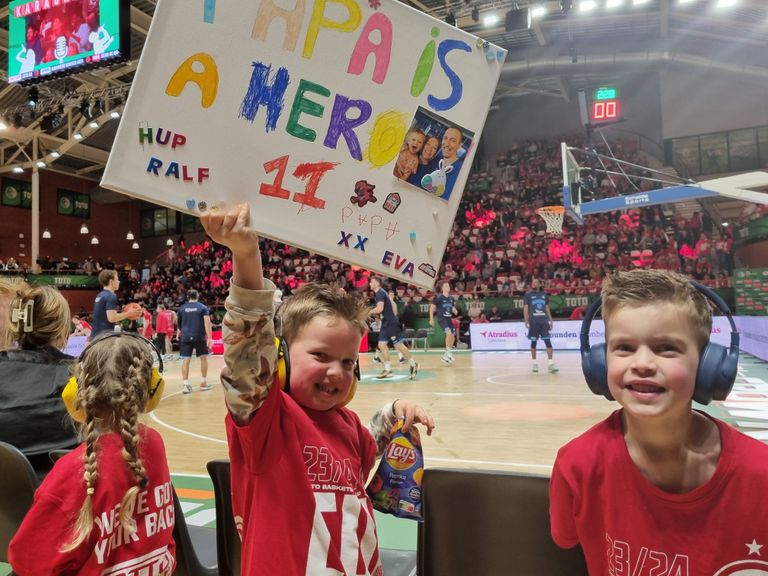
{"type": "Point", "coordinates": [644, 360]}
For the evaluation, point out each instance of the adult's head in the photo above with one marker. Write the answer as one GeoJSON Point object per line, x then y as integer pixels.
{"type": "Point", "coordinates": [192, 295]}
{"type": "Point", "coordinates": [450, 144]}
{"type": "Point", "coordinates": [375, 283]}
{"type": "Point", "coordinates": [446, 289]}
{"type": "Point", "coordinates": [431, 146]}
{"type": "Point", "coordinates": [38, 316]}
{"type": "Point", "coordinates": [536, 284]}
{"type": "Point", "coordinates": [109, 280]}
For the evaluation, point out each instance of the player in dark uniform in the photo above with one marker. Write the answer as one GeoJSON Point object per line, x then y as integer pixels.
{"type": "Point", "coordinates": [538, 320]}
{"type": "Point", "coordinates": [444, 306]}
{"type": "Point", "coordinates": [194, 334]}
{"type": "Point", "coordinates": [391, 332]}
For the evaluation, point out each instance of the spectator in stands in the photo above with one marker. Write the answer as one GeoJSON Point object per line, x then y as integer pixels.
{"type": "Point", "coordinates": [495, 315]}
{"type": "Point", "coordinates": [11, 264]}
{"type": "Point", "coordinates": [194, 321]}
{"type": "Point", "coordinates": [33, 375]}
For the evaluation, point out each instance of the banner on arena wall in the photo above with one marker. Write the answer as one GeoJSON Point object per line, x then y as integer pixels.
{"type": "Point", "coordinates": [564, 334]}
{"type": "Point", "coordinates": [318, 116]}
{"type": "Point", "coordinates": [65, 280]}
{"type": "Point", "coordinates": [17, 193]}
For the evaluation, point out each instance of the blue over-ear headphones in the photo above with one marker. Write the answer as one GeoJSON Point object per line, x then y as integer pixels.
{"type": "Point", "coordinates": [717, 364]}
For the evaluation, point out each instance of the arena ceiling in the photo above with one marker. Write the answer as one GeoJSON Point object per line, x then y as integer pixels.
{"type": "Point", "coordinates": [560, 54]}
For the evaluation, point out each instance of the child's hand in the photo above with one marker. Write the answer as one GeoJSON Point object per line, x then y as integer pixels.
{"type": "Point", "coordinates": [232, 228]}
{"type": "Point", "coordinates": [412, 413]}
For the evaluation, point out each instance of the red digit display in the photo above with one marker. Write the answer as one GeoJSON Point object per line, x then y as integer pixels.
{"type": "Point", "coordinates": [605, 110]}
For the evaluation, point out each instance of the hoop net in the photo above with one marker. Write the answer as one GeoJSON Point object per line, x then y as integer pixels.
{"type": "Point", "coordinates": [553, 218]}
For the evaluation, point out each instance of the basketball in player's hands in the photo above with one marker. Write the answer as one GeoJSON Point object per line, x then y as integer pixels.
{"type": "Point", "coordinates": [134, 310]}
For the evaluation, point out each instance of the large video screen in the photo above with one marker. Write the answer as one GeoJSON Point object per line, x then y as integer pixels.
{"type": "Point", "coordinates": [53, 38]}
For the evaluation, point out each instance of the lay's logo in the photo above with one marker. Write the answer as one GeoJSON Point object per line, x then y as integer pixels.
{"type": "Point", "coordinates": [400, 454]}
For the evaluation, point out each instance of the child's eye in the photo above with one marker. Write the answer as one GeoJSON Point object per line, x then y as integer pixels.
{"type": "Point", "coordinates": [349, 364]}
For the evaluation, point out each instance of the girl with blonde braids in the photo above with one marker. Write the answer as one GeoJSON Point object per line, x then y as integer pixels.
{"type": "Point", "coordinates": [107, 506]}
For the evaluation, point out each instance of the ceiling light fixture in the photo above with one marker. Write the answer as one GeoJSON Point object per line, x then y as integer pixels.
{"type": "Point", "coordinates": [169, 242]}
{"type": "Point", "coordinates": [77, 136]}
{"type": "Point", "coordinates": [129, 236]}
{"type": "Point", "coordinates": [94, 240]}
{"type": "Point", "coordinates": [18, 169]}
{"type": "Point", "coordinates": [490, 20]}
{"type": "Point", "coordinates": [135, 245]}
{"type": "Point", "coordinates": [55, 154]}
{"type": "Point", "coordinates": [84, 228]}
{"type": "Point", "coordinates": [46, 233]}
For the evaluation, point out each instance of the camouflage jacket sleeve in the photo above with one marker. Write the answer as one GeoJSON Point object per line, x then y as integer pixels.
{"type": "Point", "coordinates": [380, 427]}
{"type": "Point", "coordinates": [250, 353]}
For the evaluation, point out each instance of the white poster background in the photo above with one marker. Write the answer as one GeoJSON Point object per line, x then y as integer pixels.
{"type": "Point", "coordinates": [564, 335]}
{"type": "Point", "coordinates": [213, 153]}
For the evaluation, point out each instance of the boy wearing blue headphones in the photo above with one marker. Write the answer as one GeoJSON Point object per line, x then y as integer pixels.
{"type": "Point", "coordinates": [299, 457]}
{"type": "Point", "coordinates": [644, 491]}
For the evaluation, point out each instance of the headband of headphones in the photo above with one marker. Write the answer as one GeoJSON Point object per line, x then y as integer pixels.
{"type": "Point", "coordinates": [717, 365]}
{"type": "Point", "coordinates": [284, 371]}
{"type": "Point", "coordinates": [154, 390]}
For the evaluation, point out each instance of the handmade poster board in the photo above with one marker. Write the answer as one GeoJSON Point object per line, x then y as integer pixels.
{"type": "Point", "coordinates": [304, 110]}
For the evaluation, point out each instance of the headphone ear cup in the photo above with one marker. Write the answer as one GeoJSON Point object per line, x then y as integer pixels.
{"type": "Point", "coordinates": [155, 391]}
{"type": "Point", "coordinates": [595, 368]}
{"type": "Point", "coordinates": [353, 387]}
{"type": "Point", "coordinates": [283, 364]}
{"type": "Point", "coordinates": [710, 377]}
{"type": "Point", "coordinates": [69, 396]}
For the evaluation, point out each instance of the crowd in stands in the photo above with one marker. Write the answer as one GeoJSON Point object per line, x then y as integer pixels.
{"type": "Point", "coordinates": [498, 242]}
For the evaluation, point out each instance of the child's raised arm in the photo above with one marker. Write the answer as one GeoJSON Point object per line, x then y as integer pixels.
{"type": "Point", "coordinates": [249, 337]}
{"type": "Point", "coordinates": [232, 228]}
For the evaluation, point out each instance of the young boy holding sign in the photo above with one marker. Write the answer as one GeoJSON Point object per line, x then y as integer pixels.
{"type": "Point", "coordinates": [299, 456]}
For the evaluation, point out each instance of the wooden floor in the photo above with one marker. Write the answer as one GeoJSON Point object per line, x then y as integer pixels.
{"type": "Point", "coordinates": [491, 412]}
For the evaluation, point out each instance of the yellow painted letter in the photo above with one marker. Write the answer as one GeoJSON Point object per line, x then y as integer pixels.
{"type": "Point", "coordinates": [318, 21]}
{"type": "Point", "coordinates": [207, 80]}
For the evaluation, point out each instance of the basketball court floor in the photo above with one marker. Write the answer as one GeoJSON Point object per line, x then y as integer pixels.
{"type": "Point", "coordinates": [491, 411]}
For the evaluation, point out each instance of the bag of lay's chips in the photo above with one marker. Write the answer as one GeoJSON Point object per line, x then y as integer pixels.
{"type": "Point", "coordinates": [396, 486]}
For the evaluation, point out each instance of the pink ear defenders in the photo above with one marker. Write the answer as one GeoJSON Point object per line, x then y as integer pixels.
{"type": "Point", "coordinates": [717, 364]}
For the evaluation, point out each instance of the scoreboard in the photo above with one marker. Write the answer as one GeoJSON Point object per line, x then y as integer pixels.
{"type": "Point", "coordinates": [604, 106]}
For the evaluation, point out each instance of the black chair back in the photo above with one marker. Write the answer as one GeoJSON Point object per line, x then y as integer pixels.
{"type": "Point", "coordinates": [227, 538]}
{"type": "Point", "coordinates": [18, 483]}
{"type": "Point", "coordinates": [195, 546]}
{"type": "Point", "coordinates": [490, 523]}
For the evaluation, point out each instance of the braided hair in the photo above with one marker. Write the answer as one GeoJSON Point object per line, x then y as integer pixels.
{"type": "Point", "coordinates": [113, 377]}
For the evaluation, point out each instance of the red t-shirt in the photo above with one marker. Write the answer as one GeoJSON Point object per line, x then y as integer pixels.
{"type": "Point", "coordinates": [313, 464]}
{"type": "Point", "coordinates": [109, 550]}
{"type": "Point", "coordinates": [146, 330]}
{"type": "Point", "coordinates": [629, 527]}
{"type": "Point", "coordinates": [164, 322]}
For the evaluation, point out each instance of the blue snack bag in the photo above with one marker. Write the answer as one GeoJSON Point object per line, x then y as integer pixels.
{"type": "Point", "coordinates": [396, 486]}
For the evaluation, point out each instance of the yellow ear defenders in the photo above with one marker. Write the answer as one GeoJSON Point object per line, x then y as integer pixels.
{"type": "Point", "coordinates": [154, 391]}
{"type": "Point", "coordinates": [284, 371]}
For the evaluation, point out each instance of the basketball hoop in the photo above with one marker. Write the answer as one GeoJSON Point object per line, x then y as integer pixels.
{"type": "Point", "coordinates": [553, 217]}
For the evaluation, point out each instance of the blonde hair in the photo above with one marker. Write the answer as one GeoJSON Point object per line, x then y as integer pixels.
{"type": "Point", "coordinates": [113, 374]}
{"type": "Point", "coordinates": [316, 300]}
{"type": "Point", "coordinates": [7, 293]}
{"type": "Point", "coordinates": [644, 287]}
{"type": "Point", "coordinates": [50, 317]}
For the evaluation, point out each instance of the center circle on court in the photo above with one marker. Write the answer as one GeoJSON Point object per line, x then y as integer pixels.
{"type": "Point", "coordinates": [527, 411]}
